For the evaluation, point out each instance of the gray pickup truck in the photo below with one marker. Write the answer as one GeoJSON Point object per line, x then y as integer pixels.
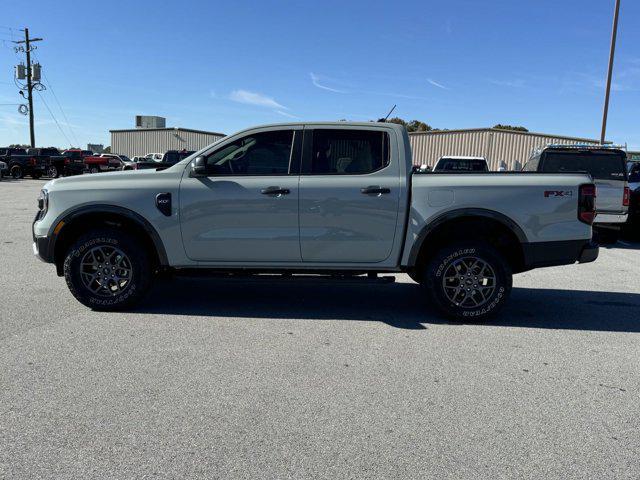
{"type": "Point", "coordinates": [334, 200]}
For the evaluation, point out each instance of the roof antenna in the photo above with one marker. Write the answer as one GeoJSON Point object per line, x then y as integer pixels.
{"type": "Point", "coordinates": [390, 112]}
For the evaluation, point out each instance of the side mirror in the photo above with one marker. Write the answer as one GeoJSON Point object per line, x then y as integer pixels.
{"type": "Point", "coordinates": [199, 167]}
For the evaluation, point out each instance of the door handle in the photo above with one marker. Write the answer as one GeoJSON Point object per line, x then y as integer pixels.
{"type": "Point", "coordinates": [275, 191]}
{"type": "Point", "coordinates": [375, 189]}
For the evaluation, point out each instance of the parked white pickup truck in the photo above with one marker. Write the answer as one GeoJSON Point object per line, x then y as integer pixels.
{"type": "Point", "coordinates": [331, 199]}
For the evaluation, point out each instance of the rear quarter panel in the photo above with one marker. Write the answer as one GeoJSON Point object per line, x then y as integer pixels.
{"type": "Point", "coordinates": [519, 197]}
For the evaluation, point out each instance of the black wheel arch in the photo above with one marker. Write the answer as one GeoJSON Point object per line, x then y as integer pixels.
{"type": "Point", "coordinates": [482, 223]}
{"type": "Point", "coordinates": [79, 219]}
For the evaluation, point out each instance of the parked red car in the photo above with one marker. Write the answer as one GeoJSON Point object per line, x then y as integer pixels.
{"type": "Point", "coordinates": [105, 162]}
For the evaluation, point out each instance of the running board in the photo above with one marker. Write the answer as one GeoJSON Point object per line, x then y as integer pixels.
{"type": "Point", "coordinates": [333, 278]}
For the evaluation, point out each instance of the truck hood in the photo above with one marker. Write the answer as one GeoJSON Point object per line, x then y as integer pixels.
{"type": "Point", "coordinates": [107, 180]}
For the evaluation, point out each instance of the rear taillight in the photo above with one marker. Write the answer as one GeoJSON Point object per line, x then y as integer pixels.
{"type": "Point", "coordinates": [32, 161]}
{"type": "Point", "coordinates": [67, 161]}
{"type": "Point", "coordinates": [587, 203]}
{"type": "Point", "coordinates": [626, 197]}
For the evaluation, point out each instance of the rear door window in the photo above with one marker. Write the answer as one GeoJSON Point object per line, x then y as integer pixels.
{"type": "Point", "coordinates": [348, 152]}
{"type": "Point", "coordinates": [602, 165]}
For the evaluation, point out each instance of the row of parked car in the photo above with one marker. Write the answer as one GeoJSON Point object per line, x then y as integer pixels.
{"type": "Point", "coordinates": [50, 162]}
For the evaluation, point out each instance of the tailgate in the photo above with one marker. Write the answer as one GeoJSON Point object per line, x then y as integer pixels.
{"type": "Point", "coordinates": [609, 196]}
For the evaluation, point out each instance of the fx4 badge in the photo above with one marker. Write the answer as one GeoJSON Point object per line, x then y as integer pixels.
{"type": "Point", "coordinates": [558, 193]}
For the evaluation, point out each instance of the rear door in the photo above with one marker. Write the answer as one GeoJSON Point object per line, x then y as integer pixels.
{"type": "Point", "coordinates": [349, 195]}
{"type": "Point", "coordinates": [607, 167]}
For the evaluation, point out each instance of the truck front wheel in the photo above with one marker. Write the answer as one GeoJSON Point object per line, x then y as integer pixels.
{"type": "Point", "coordinates": [467, 281]}
{"type": "Point", "coordinates": [107, 269]}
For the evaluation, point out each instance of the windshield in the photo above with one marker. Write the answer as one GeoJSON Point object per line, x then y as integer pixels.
{"type": "Point", "coordinates": [460, 165]}
{"type": "Point", "coordinates": [634, 172]}
{"type": "Point", "coordinates": [601, 164]}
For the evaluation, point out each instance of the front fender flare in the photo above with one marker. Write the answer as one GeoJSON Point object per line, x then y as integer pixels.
{"type": "Point", "coordinates": [69, 215]}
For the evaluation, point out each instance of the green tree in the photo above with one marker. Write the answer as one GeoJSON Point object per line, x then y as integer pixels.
{"type": "Point", "coordinates": [412, 126]}
{"type": "Point", "coordinates": [510, 127]}
{"type": "Point", "coordinates": [418, 126]}
{"type": "Point", "coordinates": [106, 150]}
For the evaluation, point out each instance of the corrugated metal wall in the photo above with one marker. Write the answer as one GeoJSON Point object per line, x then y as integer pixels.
{"type": "Point", "coordinates": [514, 148]}
{"type": "Point", "coordinates": [142, 141]}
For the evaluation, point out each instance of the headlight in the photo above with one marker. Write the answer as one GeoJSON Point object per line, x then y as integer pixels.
{"type": "Point", "coordinates": [43, 202]}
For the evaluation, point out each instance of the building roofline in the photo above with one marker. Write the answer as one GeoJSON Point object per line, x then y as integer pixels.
{"type": "Point", "coordinates": [519, 132]}
{"type": "Point", "coordinates": [169, 129]}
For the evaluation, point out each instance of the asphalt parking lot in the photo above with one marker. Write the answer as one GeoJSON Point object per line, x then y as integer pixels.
{"type": "Point", "coordinates": [245, 379]}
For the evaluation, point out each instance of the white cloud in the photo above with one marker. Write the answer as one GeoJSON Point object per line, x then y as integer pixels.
{"type": "Point", "coordinates": [436, 84]}
{"type": "Point", "coordinates": [285, 114]}
{"type": "Point", "coordinates": [253, 98]}
{"type": "Point", "coordinates": [507, 83]}
{"type": "Point", "coordinates": [315, 79]}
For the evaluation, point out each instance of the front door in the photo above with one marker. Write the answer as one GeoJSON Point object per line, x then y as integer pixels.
{"type": "Point", "coordinates": [246, 208]}
{"type": "Point", "coordinates": [349, 195]}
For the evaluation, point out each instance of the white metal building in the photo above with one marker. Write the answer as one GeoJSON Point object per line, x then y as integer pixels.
{"type": "Point", "coordinates": [496, 145]}
{"type": "Point", "coordinates": [140, 141]}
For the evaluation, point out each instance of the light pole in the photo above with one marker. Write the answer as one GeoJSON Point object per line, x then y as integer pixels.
{"type": "Point", "coordinates": [612, 51]}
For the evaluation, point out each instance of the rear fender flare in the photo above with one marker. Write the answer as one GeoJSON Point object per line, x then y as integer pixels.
{"type": "Point", "coordinates": [434, 224]}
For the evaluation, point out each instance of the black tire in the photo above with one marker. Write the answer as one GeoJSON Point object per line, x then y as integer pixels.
{"type": "Point", "coordinates": [463, 298]}
{"type": "Point", "coordinates": [52, 171]}
{"type": "Point", "coordinates": [119, 252]}
{"type": "Point", "coordinates": [17, 172]}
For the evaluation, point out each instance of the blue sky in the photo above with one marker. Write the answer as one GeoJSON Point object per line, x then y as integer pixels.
{"type": "Point", "coordinates": [223, 66]}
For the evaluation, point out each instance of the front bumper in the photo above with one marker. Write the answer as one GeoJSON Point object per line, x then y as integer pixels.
{"type": "Point", "coordinates": [41, 245]}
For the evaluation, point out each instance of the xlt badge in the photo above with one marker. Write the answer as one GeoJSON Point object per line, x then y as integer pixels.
{"type": "Point", "coordinates": [163, 203]}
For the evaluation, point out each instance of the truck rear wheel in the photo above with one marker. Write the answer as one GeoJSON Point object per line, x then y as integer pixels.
{"type": "Point", "coordinates": [106, 269]}
{"type": "Point", "coordinates": [467, 281]}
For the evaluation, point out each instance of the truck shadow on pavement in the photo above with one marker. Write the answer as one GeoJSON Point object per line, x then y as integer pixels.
{"type": "Point", "coordinates": [399, 304]}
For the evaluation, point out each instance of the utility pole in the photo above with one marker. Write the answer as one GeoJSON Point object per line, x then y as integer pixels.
{"type": "Point", "coordinates": [27, 46]}
{"type": "Point", "coordinates": [612, 51]}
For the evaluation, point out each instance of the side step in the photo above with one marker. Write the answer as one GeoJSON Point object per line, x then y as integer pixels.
{"type": "Point", "coordinates": [330, 278]}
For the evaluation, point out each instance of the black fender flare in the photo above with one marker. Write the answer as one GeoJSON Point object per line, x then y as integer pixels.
{"type": "Point", "coordinates": [458, 213]}
{"type": "Point", "coordinates": [69, 215]}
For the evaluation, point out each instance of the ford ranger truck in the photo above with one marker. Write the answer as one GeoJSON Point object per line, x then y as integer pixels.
{"type": "Point", "coordinates": [333, 200]}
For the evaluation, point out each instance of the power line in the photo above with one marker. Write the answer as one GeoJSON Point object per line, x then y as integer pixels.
{"type": "Point", "coordinates": [73, 134]}
{"type": "Point", "coordinates": [54, 119]}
